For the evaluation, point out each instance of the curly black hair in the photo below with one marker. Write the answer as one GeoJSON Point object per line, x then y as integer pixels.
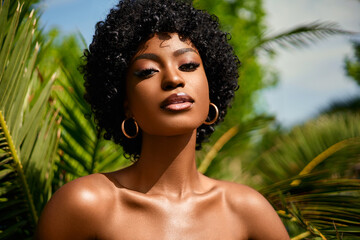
{"type": "Point", "coordinates": [116, 41]}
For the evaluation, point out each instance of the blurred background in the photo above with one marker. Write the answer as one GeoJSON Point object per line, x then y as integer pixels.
{"type": "Point", "coordinates": [292, 132]}
{"type": "Point", "coordinates": [310, 78]}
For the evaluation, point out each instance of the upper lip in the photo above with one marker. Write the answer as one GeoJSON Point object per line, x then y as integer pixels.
{"type": "Point", "coordinates": [176, 98]}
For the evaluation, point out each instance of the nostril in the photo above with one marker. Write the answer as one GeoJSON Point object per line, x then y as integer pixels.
{"type": "Point", "coordinates": [171, 86]}
{"type": "Point", "coordinates": [168, 87]}
{"type": "Point", "coordinates": [180, 85]}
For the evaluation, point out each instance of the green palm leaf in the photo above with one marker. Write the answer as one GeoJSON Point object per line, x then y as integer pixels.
{"type": "Point", "coordinates": [298, 37]}
{"type": "Point", "coordinates": [13, 186]}
{"type": "Point", "coordinates": [83, 151]}
{"type": "Point", "coordinates": [231, 142]}
{"type": "Point", "coordinates": [29, 136]}
{"type": "Point", "coordinates": [291, 152]}
{"type": "Point", "coordinates": [323, 199]}
{"type": "Point", "coordinates": [318, 204]}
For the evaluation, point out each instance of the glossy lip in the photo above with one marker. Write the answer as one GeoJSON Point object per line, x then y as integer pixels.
{"type": "Point", "coordinates": [177, 102]}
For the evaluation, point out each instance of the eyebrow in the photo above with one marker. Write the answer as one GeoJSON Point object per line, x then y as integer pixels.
{"type": "Point", "coordinates": [155, 57]}
{"type": "Point", "coordinates": [150, 56]}
{"type": "Point", "coordinates": [184, 50]}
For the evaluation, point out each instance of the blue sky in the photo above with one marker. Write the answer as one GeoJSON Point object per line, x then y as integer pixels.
{"type": "Point", "coordinates": [310, 78]}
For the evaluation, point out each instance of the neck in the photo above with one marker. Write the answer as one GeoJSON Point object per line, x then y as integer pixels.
{"type": "Point", "coordinates": [166, 165]}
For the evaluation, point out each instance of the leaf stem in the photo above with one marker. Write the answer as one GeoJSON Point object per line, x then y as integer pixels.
{"type": "Point", "coordinates": [19, 168]}
{"type": "Point", "coordinates": [324, 155]}
{"type": "Point", "coordinates": [216, 148]}
{"type": "Point", "coordinates": [301, 236]}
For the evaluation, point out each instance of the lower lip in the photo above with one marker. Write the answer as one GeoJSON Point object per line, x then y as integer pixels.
{"type": "Point", "coordinates": [178, 106]}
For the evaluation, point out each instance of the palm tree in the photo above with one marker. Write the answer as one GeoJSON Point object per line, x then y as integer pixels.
{"type": "Point", "coordinates": [311, 176]}
{"type": "Point", "coordinates": [233, 152]}
{"type": "Point", "coordinates": [82, 150]}
{"type": "Point", "coordinates": [28, 127]}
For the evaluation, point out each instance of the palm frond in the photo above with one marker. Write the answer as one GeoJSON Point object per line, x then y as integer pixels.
{"type": "Point", "coordinates": [27, 140]}
{"type": "Point", "coordinates": [217, 147]}
{"type": "Point", "coordinates": [229, 143]}
{"type": "Point", "coordinates": [83, 150]}
{"type": "Point", "coordinates": [299, 37]}
{"type": "Point", "coordinates": [322, 200]}
{"type": "Point", "coordinates": [14, 186]}
{"type": "Point", "coordinates": [325, 154]}
{"type": "Point", "coordinates": [291, 152]}
{"type": "Point", "coordinates": [327, 205]}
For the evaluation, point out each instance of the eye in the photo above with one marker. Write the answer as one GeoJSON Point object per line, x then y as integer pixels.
{"type": "Point", "coordinates": [145, 73]}
{"type": "Point", "coordinates": [189, 67]}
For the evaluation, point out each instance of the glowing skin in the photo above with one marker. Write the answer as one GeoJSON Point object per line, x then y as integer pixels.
{"type": "Point", "coordinates": [162, 195]}
{"type": "Point", "coordinates": [162, 69]}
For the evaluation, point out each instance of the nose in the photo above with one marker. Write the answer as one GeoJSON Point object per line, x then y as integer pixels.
{"type": "Point", "coordinates": [172, 80]}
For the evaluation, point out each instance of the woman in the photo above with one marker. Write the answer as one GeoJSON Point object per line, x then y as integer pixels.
{"type": "Point", "coordinates": [154, 71]}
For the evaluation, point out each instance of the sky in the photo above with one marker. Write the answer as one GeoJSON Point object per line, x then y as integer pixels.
{"type": "Point", "coordinates": [313, 77]}
{"type": "Point", "coordinates": [309, 79]}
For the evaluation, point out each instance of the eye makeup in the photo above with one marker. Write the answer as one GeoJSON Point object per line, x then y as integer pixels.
{"type": "Point", "coordinates": [189, 67]}
{"type": "Point", "coordinates": [145, 73]}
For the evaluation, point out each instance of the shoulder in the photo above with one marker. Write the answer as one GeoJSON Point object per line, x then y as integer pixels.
{"type": "Point", "coordinates": [254, 210]}
{"type": "Point", "coordinates": [78, 205]}
{"type": "Point", "coordinates": [83, 193]}
{"type": "Point", "coordinates": [241, 198]}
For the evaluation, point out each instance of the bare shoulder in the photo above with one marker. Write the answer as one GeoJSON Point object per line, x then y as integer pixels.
{"type": "Point", "coordinates": [75, 208]}
{"type": "Point", "coordinates": [242, 197]}
{"type": "Point", "coordinates": [261, 219]}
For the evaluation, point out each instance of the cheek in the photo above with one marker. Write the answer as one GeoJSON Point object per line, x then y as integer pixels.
{"type": "Point", "coordinates": [144, 105]}
{"type": "Point", "coordinates": [202, 92]}
{"type": "Point", "coordinates": [144, 100]}
{"type": "Point", "coordinates": [141, 100]}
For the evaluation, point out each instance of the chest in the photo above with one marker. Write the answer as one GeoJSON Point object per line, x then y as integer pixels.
{"type": "Point", "coordinates": [201, 219]}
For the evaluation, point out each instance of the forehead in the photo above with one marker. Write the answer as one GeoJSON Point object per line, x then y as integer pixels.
{"type": "Point", "coordinates": [164, 42]}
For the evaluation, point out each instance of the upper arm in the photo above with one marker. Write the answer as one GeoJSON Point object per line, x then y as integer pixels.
{"type": "Point", "coordinates": [70, 214]}
{"type": "Point", "coordinates": [261, 220]}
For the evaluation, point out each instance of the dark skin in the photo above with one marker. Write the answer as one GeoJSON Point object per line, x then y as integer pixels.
{"type": "Point", "coordinates": [162, 195]}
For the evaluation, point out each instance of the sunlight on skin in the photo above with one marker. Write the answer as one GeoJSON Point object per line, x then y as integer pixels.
{"type": "Point", "coordinates": [171, 199]}
{"type": "Point", "coordinates": [88, 196]}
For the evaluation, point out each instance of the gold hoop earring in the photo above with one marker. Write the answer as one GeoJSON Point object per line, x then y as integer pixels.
{"type": "Point", "coordinates": [124, 131]}
{"type": "Point", "coordinates": [216, 115]}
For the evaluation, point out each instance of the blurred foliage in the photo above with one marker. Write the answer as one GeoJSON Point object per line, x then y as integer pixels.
{"type": "Point", "coordinates": [352, 65]}
{"type": "Point", "coordinates": [349, 104]}
{"type": "Point", "coordinates": [82, 150]}
{"type": "Point", "coordinates": [245, 21]}
{"type": "Point", "coordinates": [291, 152]}
{"type": "Point", "coordinates": [352, 70]}
{"type": "Point", "coordinates": [311, 176]}
{"type": "Point", "coordinates": [310, 173]}
{"type": "Point", "coordinates": [245, 124]}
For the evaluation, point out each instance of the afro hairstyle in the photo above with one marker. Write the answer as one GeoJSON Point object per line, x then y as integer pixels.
{"type": "Point", "coordinates": [117, 40]}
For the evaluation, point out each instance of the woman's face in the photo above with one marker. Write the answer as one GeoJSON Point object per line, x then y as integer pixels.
{"type": "Point", "coordinates": [167, 89]}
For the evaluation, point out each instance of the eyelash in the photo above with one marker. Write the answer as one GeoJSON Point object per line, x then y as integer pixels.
{"type": "Point", "coordinates": [145, 73]}
{"type": "Point", "coordinates": [148, 72]}
{"type": "Point", "coordinates": [189, 67]}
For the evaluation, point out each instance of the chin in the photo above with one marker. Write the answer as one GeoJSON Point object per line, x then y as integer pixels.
{"type": "Point", "coordinates": [172, 128]}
